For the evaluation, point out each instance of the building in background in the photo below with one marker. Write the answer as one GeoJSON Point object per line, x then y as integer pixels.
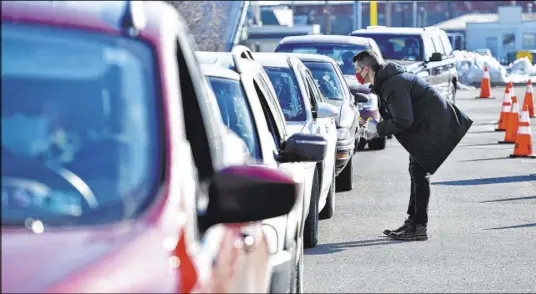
{"type": "Point", "coordinates": [504, 33]}
{"type": "Point", "coordinates": [341, 14]}
{"type": "Point", "coordinates": [267, 25]}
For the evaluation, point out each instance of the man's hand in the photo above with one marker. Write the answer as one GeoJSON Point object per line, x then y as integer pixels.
{"type": "Point", "coordinates": [370, 130]}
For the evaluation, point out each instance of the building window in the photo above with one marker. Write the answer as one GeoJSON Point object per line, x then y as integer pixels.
{"type": "Point", "coordinates": [509, 40]}
{"type": "Point", "coordinates": [529, 40]}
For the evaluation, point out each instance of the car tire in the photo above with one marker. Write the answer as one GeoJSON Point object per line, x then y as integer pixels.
{"type": "Point", "coordinates": [310, 232]}
{"type": "Point", "coordinates": [344, 179]}
{"type": "Point", "coordinates": [329, 209]}
{"type": "Point", "coordinates": [378, 143]}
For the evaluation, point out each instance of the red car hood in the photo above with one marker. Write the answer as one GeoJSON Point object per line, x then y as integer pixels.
{"type": "Point", "coordinates": [32, 262]}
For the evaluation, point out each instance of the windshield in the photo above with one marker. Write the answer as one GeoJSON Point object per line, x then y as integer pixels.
{"type": "Point", "coordinates": [79, 126]}
{"type": "Point", "coordinates": [326, 79]}
{"type": "Point", "coordinates": [398, 47]}
{"type": "Point", "coordinates": [341, 53]}
{"type": "Point", "coordinates": [235, 111]}
{"type": "Point", "coordinates": [288, 93]}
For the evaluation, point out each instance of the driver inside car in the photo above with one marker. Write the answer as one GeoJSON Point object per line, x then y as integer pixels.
{"type": "Point", "coordinates": [412, 49]}
{"type": "Point", "coordinates": [38, 135]}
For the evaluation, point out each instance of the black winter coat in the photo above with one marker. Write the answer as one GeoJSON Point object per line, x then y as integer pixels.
{"type": "Point", "coordinates": [428, 126]}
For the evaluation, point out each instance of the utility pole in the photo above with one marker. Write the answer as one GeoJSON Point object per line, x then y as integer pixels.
{"type": "Point", "coordinates": [414, 14]}
{"type": "Point", "coordinates": [327, 17]}
{"type": "Point", "coordinates": [373, 13]}
{"type": "Point", "coordinates": [355, 7]}
{"type": "Point", "coordinates": [388, 9]}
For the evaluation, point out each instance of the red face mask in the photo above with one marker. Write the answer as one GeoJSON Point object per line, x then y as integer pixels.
{"type": "Point", "coordinates": [360, 78]}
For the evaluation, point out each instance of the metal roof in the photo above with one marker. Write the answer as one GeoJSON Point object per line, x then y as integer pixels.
{"type": "Point", "coordinates": [272, 59]}
{"type": "Point", "coordinates": [304, 57]}
{"type": "Point", "coordinates": [460, 23]}
{"type": "Point", "coordinates": [327, 39]}
{"type": "Point", "coordinates": [390, 30]}
{"type": "Point", "coordinates": [215, 70]}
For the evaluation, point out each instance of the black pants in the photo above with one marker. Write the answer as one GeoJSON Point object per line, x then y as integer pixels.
{"type": "Point", "coordinates": [420, 193]}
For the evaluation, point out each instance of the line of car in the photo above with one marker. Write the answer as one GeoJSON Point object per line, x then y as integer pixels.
{"type": "Point", "coordinates": [161, 168]}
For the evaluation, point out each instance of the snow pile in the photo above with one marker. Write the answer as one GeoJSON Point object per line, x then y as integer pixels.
{"type": "Point", "coordinates": [522, 66]}
{"type": "Point", "coordinates": [470, 66]}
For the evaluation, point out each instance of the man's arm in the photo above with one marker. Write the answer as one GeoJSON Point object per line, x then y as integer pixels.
{"type": "Point", "coordinates": [400, 107]}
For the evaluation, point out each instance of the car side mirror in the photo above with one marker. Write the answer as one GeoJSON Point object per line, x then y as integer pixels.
{"type": "Point", "coordinates": [436, 56]}
{"type": "Point", "coordinates": [361, 98]}
{"type": "Point", "coordinates": [326, 110]}
{"type": "Point", "coordinates": [242, 194]}
{"type": "Point", "coordinates": [302, 147]}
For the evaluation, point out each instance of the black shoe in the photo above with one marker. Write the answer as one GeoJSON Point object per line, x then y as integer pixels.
{"type": "Point", "coordinates": [411, 233]}
{"type": "Point", "coordinates": [403, 227]}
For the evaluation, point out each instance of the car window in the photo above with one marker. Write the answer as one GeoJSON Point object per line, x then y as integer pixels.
{"type": "Point", "coordinates": [341, 53]}
{"type": "Point", "coordinates": [319, 98]}
{"type": "Point", "coordinates": [235, 111]}
{"type": "Point", "coordinates": [429, 46]}
{"type": "Point", "coordinates": [446, 43]}
{"type": "Point", "coordinates": [397, 47]}
{"type": "Point", "coordinates": [438, 44]}
{"type": "Point", "coordinates": [80, 126]}
{"type": "Point", "coordinates": [326, 79]}
{"type": "Point", "coordinates": [270, 120]}
{"type": "Point", "coordinates": [287, 91]}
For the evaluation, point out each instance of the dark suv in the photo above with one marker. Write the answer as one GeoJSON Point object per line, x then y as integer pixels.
{"type": "Point", "coordinates": [424, 51]}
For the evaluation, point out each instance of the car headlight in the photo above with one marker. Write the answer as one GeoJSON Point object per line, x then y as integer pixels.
{"type": "Point", "coordinates": [343, 133]}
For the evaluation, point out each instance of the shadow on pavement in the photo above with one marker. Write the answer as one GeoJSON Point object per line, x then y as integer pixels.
{"type": "Point", "coordinates": [480, 144]}
{"type": "Point", "coordinates": [484, 132]}
{"type": "Point", "coordinates": [487, 181]}
{"type": "Point", "coordinates": [338, 247]}
{"type": "Point", "coordinates": [510, 199]}
{"type": "Point", "coordinates": [484, 159]}
{"type": "Point", "coordinates": [513, 227]}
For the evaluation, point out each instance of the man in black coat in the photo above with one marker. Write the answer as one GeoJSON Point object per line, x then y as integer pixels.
{"type": "Point", "coordinates": [428, 126]}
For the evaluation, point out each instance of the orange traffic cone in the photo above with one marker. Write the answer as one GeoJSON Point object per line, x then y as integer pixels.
{"type": "Point", "coordinates": [505, 110]}
{"type": "Point", "coordinates": [523, 147]}
{"type": "Point", "coordinates": [513, 123]}
{"type": "Point", "coordinates": [485, 85]}
{"type": "Point", "coordinates": [529, 99]}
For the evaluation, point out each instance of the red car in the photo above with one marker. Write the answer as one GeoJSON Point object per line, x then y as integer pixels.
{"type": "Point", "coordinates": [115, 174]}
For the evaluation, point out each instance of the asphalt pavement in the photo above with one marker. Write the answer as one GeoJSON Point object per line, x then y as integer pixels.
{"type": "Point", "coordinates": [482, 219]}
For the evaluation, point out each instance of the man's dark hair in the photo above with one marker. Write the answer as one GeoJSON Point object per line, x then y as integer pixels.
{"type": "Point", "coordinates": [367, 58]}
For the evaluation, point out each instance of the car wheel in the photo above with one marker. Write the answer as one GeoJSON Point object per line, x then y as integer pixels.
{"type": "Point", "coordinates": [362, 144]}
{"type": "Point", "coordinates": [329, 208]}
{"type": "Point", "coordinates": [310, 232]}
{"type": "Point", "coordinates": [344, 179]}
{"type": "Point", "coordinates": [378, 143]}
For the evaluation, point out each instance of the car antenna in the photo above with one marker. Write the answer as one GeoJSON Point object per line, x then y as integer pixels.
{"type": "Point", "coordinates": [133, 20]}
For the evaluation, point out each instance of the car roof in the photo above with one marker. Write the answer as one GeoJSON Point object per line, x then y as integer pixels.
{"type": "Point", "coordinates": [305, 57]}
{"type": "Point", "coordinates": [102, 16]}
{"type": "Point", "coordinates": [327, 39]}
{"type": "Point", "coordinates": [216, 70]}
{"type": "Point", "coordinates": [393, 30]}
{"type": "Point", "coordinates": [274, 59]}
{"type": "Point", "coordinates": [225, 60]}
